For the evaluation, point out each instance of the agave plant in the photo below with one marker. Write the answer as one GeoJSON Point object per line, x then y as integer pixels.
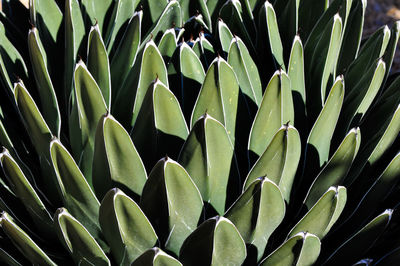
{"type": "Point", "coordinates": [197, 132]}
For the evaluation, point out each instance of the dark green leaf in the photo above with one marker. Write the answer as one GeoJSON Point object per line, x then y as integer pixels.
{"type": "Point", "coordinates": [207, 155]}
{"type": "Point", "coordinates": [98, 64]}
{"type": "Point", "coordinates": [301, 249]}
{"type": "Point", "coordinates": [258, 212]}
{"type": "Point", "coordinates": [214, 242]}
{"type": "Point", "coordinates": [125, 227]}
{"type": "Point", "coordinates": [78, 241]}
{"type": "Point", "coordinates": [116, 162]}
{"type": "Point", "coordinates": [279, 161]}
{"type": "Point", "coordinates": [23, 242]}
{"type": "Point", "coordinates": [165, 199]}
{"type": "Point", "coordinates": [50, 109]}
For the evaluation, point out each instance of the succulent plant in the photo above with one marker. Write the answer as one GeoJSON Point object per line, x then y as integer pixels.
{"type": "Point", "coordinates": [197, 132]}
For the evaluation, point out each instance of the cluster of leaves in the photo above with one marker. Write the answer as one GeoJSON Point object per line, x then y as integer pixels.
{"type": "Point", "coordinates": [197, 132]}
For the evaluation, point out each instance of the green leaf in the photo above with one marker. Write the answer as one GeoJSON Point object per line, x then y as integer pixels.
{"type": "Point", "coordinates": [219, 96]}
{"type": "Point", "coordinates": [170, 16]}
{"type": "Point", "coordinates": [336, 169]}
{"type": "Point", "coordinates": [352, 35]}
{"type": "Point", "coordinates": [320, 61]}
{"type": "Point", "coordinates": [319, 139]}
{"type": "Point", "coordinates": [98, 64]}
{"type": "Point", "coordinates": [298, 86]}
{"type": "Point", "coordinates": [192, 77]}
{"type": "Point", "coordinates": [47, 17]}
{"type": "Point", "coordinates": [379, 191]}
{"type": "Point", "coordinates": [375, 147]}
{"type": "Point", "coordinates": [273, 35]}
{"type": "Point", "coordinates": [167, 44]}
{"type": "Point", "coordinates": [153, 11]}
{"type": "Point", "coordinates": [74, 34]}
{"type": "Point", "coordinates": [358, 101]}
{"type": "Point", "coordinates": [35, 124]}
{"type": "Point", "coordinates": [246, 70]}
{"type": "Point", "coordinates": [225, 35]}
{"type": "Point", "coordinates": [321, 217]}
{"type": "Point", "coordinates": [26, 193]}
{"type": "Point", "coordinates": [214, 242]}
{"type": "Point", "coordinates": [204, 50]}
{"type": "Point", "coordinates": [207, 156]}
{"type": "Point", "coordinates": [191, 7]}
{"type": "Point", "coordinates": [160, 123]}
{"type": "Point", "coordinates": [232, 14]}
{"type": "Point", "coordinates": [357, 245]}
{"type": "Point", "coordinates": [275, 110]}
{"type": "Point", "coordinates": [288, 20]}
{"type": "Point", "coordinates": [165, 199]}
{"type": "Point", "coordinates": [76, 193]}
{"type": "Point", "coordinates": [156, 257]}
{"type": "Point", "coordinates": [125, 227]}
{"type": "Point", "coordinates": [151, 67]}
{"type": "Point", "coordinates": [5, 140]}
{"type": "Point", "coordinates": [77, 240]}
{"type": "Point", "coordinates": [279, 161]}
{"type": "Point", "coordinates": [39, 134]}
{"type": "Point", "coordinates": [126, 52]}
{"type": "Point", "coordinates": [301, 249]}
{"type": "Point", "coordinates": [122, 12]}
{"type": "Point", "coordinates": [90, 106]}
{"type": "Point", "coordinates": [96, 12]}
{"type": "Point", "coordinates": [116, 163]}
{"type": "Point", "coordinates": [258, 212]}
{"type": "Point", "coordinates": [190, 64]}
{"type": "Point", "coordinates": [372, 50]}
{"type": "Point", "coordinates": [214, 7]}
{"type": "Point", "coordinates": [309, 14]}
{"type": "Point", "coordinates": [391, 47]}
{"type": "Point", "coordinates": [341, 8]}
{"type": "Point", "coordinates": [377, 118]}
{"type": "Point", "coordinates": [11, 61]}
{"type": "Point", "coordinates": [23, 242]}
{"type": "Point", "coordinates": [47, 94]}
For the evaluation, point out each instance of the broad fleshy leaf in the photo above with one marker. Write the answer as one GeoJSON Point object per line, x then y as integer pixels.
{"type": "Point", "coordinates": [275, 110]}
{"type": "Point", "coordinates": [90, 107]}
{"type": "Point", "coordinates": [98, 63]}
{"type": "Point", "coordinates": [156, 257]}
{"type": "Point", "coordinates": [357, 245]}
{"type": "Point", "coordinates": [207, 156]}
{"type": "Point", "coordinates": [122, 12]}
{"type": "Point", "coordinates": [219, 96]}
{"type": "Point", "coordinates": [301, 249]}
{"type": "Point", "coordinates": [125, 227]}
{"type": "Point", "coordinates": [245, 69]}
{"type": "Point", "coordinates": [50, 109]}
{"type": "Point", "coordinates": [77, 240]}
{"type": "Point", "coordinates": [215, 242]}
{"type": "Point", "coordinates": [76, 193]}
{"type": "Point", "coordinates": [126, 53]}
{"type": "Point", "coordinates": [165, 199]}
{"type": "Point", "coordinates": [24, 190]}
{"type": "Point", "coordinates": [336, 169]}
{"type": "Point", "coordinates": [23, 242]}
{"type": "Point", "coordinates": [321, 217]}
{"type": "Point", "coordinates": [160, 127]}
{"type": "Point", "coordinates": [116, 163]}
{"type": "Point", "coordinates": [258, 212]}
{"type": "Point", "coordinates": [279, 161]}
